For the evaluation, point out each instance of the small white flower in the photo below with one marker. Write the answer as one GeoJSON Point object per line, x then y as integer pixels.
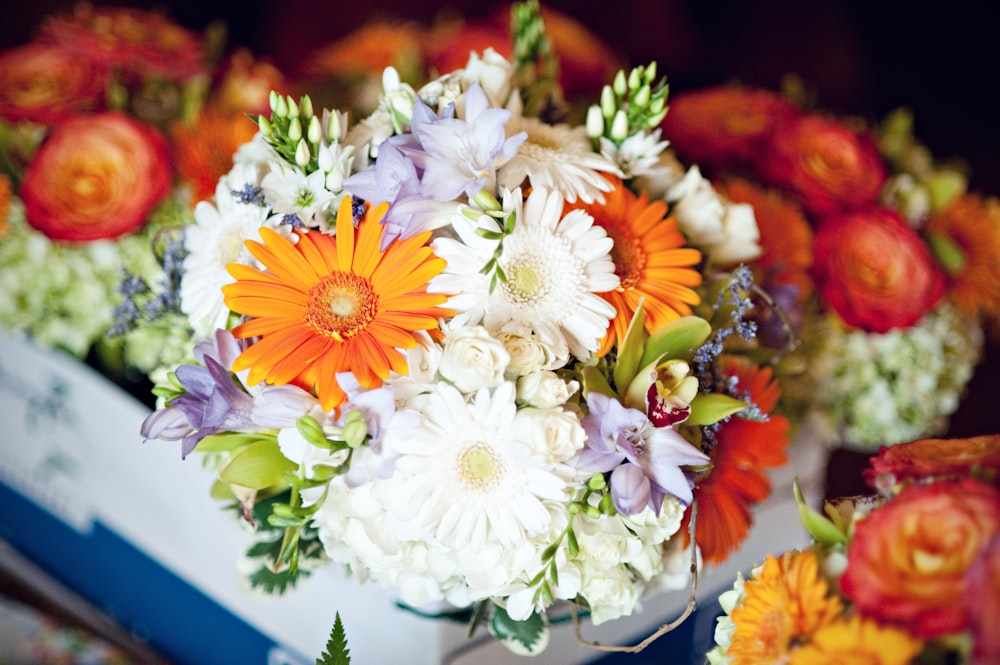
{"type": "Point", "coordinates": [473, 359]}
{"type": "Point", "coordinates": [639, 154]}
{"type": "Point", "coordinates": [292, 193]}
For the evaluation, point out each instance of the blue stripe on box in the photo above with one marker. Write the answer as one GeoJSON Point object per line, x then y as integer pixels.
{"type": "Point", "coordinates": [175, 618]}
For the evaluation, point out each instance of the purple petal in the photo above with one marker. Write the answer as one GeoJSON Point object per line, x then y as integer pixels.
{"type": "Point", "coordinates": [630, 489]}
{"type": "Point", "coordinates": [167, 424]}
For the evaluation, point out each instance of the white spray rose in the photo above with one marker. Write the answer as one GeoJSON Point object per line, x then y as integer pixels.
{"type": "Point", "coordinates": [528, 353]}
{"type": "Point", "coordinates": [552, 435]}
{"type": "Point", "coordinates": [609, 592]}
{"type": "Point", "coordinates": [545, 389]}
{"type": "Point", "coordinates": [473, 359]}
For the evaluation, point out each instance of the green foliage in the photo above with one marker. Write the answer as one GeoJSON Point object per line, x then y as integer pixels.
{"type": "Point", "coordinates": [336, 652]}
{"type": "Point", "coordinates": [528, 637]}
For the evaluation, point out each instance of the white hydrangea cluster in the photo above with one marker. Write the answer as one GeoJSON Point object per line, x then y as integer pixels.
{"type": "Point", "coordinates": [870, 390]}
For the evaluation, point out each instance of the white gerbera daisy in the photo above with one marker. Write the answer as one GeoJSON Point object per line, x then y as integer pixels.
{"type": "Point", "coordinates": [555, 266]}
{"type": "Point", "coordinates": [557, 157]}
{"type": "Point", "coordinates": [215, 240]}
{"type": "Point", "coordinates": [465, 478]}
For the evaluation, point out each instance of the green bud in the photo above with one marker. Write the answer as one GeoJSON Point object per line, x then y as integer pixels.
{"type": "Point", "coordinates": [333, 128]}
{"type": "Point", "coordinates": [596, 482]}
{"type": "Point", "coordinates": [280, 107]}
{"type": "Point", "coordinates": [293, 108]}
{"type": "Point", "coordinates": [619, 126]}
{"type": "Point", "coordinates": [608, 105]}
{"type": "Point", "coordinates": [620, 86]}
{"type": "Point", "coordinates": [312, 432]}
{"type": "Point", "coordinates": [486, 201]}
{"type": "Point", "coordinates": [641, 98]}
{"type": "Point", "coordinates": [315, 132]}
{"type": "Point", "coordinates": [264, 125]}
{"type": "Point", "coordinates": [573, 508]}
{"type": "Point", "coordinates": [355, 430]}
{"type": "Point", "coordinates": [595, 122]}
{"type": "Point", "coordinates": [657, 104]}
{"type": "Point", "coordinates": [591, 511]}
{"type": "Point", "coordinates": [635, 78]}
{"type": "Point", "coordinates": [607, 505]}
{"type": "Point", "coordinates": [294, 130]}
{"type": "Point", "coordinates": [302, 155]}
{"type": "Point", "coordinates": [655, 120]}
{"type": "Point", "coordinates": [650, 72]}
{"type": "Point", "coordinates": [306, 107]}
{"type": "Point", "coordinates": [283, 510]}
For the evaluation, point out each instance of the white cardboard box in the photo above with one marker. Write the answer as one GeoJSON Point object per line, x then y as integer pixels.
{"type": "Point", "coordinates": [131, 527]}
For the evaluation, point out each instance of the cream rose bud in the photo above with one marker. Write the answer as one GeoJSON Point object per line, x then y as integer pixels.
{"type": "Point", "coordinates": [472, 359]}
{"type": "Point", "coordinates": [742, 237]}
{"type": "Point", "coordinates": [545, 389]}
{"type": "Point", "coordinates": [493, 72]}
{"type": "Point", "coordinates": [552, 435]}
{"type": "Point", "coordinates": [528, 353]}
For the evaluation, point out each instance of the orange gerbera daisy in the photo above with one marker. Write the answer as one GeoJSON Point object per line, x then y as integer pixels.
{"type": "Point", "coordinates": [737, 478]}
{"type": "Point", "coordinates": [972, 224]}
{"type": "Point", "coordinates": [857, 640]}
{"type": "Point", "coordinates": [785, 235]}
{"type": "Point", "coordinates": [203, 151]}
{"type": "Point", "coordinates": [328, 305]}
{"type": "Point", "coordinates": [650, 260]}
{"type": "Point", "coordinates": [783, 605]}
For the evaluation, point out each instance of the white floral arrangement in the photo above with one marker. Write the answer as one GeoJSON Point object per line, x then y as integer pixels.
{"type": "Point", "coordinates": [452, 349]}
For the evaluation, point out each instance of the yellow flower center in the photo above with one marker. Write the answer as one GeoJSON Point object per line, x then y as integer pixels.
{"type": "Point", "coordinates": [479, 467]}
{"type": "Point", "coordinates": [341, 305]}
{"type": "Point", "coordinates": [524, 282]}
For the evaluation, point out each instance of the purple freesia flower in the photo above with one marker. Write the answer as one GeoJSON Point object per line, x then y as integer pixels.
{"type": "Point", "coordinates": [644, 460]}
{"type": "Point", "coordinates": [394, 180]}
{"type": "Point", "coordinates": [213, 401]}
{"type": "Point", "coordinates": [456, 155]}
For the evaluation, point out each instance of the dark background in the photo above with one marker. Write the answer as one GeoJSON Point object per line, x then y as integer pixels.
{"type": "Point", "coordinates": [858, 57]}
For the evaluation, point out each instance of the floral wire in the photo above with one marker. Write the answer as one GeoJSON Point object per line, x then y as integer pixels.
{"type": "Point", "coordinates": [665, 628]}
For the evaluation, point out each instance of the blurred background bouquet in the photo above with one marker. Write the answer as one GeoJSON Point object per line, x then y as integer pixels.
{"type": "Point", "coordinates": [909, 574]}
{"type": "Point", "coordinates": [882, 263]}
{"type": "Point", "coordinates": [463, 348]}
{"type": "Point", "coordinates": [114, 121]}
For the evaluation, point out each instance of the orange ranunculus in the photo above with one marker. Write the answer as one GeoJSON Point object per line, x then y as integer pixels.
{"type": "Point", "coordinates": [874, 270]}
{"type": "Point", "coordinates": [725, 125]}
{"type": "Point", "coordinates": [95, 177]}
{"type": "Point", "coordinates": [928, 458]}
{"type": "Point", "coordinates": [827, 165]}
{"type": "Point", "coordinates": [5, 193]}
{"type": "Point", "coordinates": [203, 151]}
{"type": "Point", "coordinates": [44, 83]}
{"type": "Point", "coordinates": [908, 559]}
{"type": "Point", "coordinates": [135, 40]}
{"type": "Point", "coordinates": [983, 599]}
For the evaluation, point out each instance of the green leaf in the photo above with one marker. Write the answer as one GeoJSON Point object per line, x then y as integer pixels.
{"type": "Point", "coordinates": [820, 527]}
{"type": "Point", "coordinates": [258, 466]}
{"type": "Point", "coordinates": [630, 350]}
{"type": "Point", "coordinates": [676, 339]}
{"type": "Point", "coordinates": [268, 581]}
{"type": "Point", "coordinates": [227, 441]}
{"type": "Point", "coordinates": [595, 382]}
{"type": "Point", "coordinates": [336, 652]}
{"type": "Point", "coordinates": [524, 638]}
{"type": "Point", "coordinates": [710, 408]}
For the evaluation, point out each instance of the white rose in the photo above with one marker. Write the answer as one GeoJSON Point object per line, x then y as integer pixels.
{"type": "Point", "coordinates": [472, 359]}
{"type": "Point", "coordinates": [552, 435]}
{"type": "Point", "coordinates": [528, 353]}
{"type": "Point", "coordinates": [545, 389]}
{"type": "Point", "coordinates": [605, 541]}
{"type": "Point", "coordinates": [741, 235]}
{"type": "Point", "coordinates": [610, 593]}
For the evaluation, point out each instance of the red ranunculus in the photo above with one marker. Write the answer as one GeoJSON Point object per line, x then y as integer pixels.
{"type": "Point", "coordinates": [44, 83]}
{"type": "Point", "coordinates": [874, 270]}
{"type": "Point", "coordinates": [724, 126]}
{"type": "Point", "coordinates": [908, 560]}
{"type": "Point", "coordinates": [95, 177]}
{"type": "Point", "coordinates": [826, 164]}
{"type": "Point", "coordinates": [142, 42]}
{"type": "Point", "coordinates": [929, 458]}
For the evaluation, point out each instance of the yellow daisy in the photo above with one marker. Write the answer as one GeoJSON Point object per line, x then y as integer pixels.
{"type": "Point", "coordinates": [856, 640]}
{"type": "Point", "coordinates": [329, 304]}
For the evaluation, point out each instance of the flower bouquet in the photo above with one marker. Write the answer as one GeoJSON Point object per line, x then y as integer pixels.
{"type": "Point", "coordinates": [463, 351]}
{"type": "Point", "coordinates": [111, 122]}
{"type": "Point", "coordinates": [879, 259]}
{"type": "Point", "coordinates": [909, 575]}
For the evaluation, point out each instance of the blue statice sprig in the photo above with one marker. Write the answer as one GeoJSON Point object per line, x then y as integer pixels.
{"type": "Point", "coordinates": [142, 304]}
{"type": "Point", "coordinates": [632, 104]}
{"type": "Point", "coordinates": [733, 305]}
